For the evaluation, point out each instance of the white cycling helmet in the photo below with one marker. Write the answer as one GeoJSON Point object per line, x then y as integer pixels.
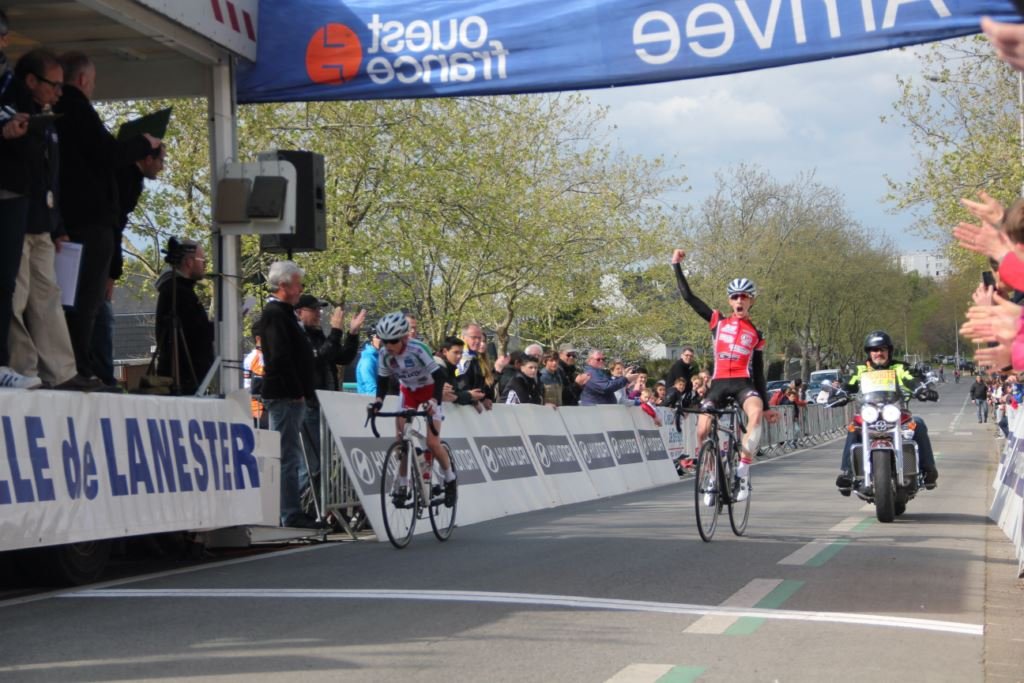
{"type": "Point", "coordinates": [741, 285]}
{"type": "Point", "coordinates": [392, 327]}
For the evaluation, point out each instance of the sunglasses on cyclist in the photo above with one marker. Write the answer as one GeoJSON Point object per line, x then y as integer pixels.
{"type": "Point", "coordinates": [734, 297]}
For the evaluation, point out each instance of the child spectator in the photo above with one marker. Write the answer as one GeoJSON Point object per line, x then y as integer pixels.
{"type": "Point", "coordinates": [523, 387]}
{"type": "Point", "coordinates": [647, 405]}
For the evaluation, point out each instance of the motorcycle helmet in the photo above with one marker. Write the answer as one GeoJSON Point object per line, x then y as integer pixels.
{"type": "Point", "coordinates": [741, 285]}
{"type": "Point", "coordinates": [877, 340]}
{"type": "Point", "coordinates": [392, 327]}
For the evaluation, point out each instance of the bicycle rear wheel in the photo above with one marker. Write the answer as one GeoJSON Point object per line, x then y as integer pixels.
{"type": "Point", "coordinates": [707, 501]}
{"type": "Point", "coordinates": [442, 518]}
{"type": "Point", "coordinates": [398, 510]}
{"type": "Point", "coordinates": [739, 512]}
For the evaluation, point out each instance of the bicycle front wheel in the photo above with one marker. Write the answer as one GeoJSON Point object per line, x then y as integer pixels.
{"type": "Point", "coordinates": [707, 501]}
{"type": "Point", "coordinates": [442, 517]}
{"type": "Point", "coordinates": [739, 512]}
{"type": "Point", "coordinates": [399, 507]}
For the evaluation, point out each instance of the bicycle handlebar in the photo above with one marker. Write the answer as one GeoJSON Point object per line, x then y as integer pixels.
{"type": "Point", "coordinates": [372, 415]}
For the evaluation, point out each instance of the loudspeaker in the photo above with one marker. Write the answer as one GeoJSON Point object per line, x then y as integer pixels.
{"type": "Point", "coordinates": [310, 206]}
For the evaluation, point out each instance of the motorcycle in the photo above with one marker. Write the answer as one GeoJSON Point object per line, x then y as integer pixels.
{"type": "Point", "coordinates": [885, 462]}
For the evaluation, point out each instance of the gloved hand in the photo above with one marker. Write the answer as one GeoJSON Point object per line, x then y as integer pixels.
{"type": "Point", "coordinates": [376, 406]}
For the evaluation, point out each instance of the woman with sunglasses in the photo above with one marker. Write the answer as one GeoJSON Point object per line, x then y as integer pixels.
{"type": "Point", "coordinates": [738, 355]}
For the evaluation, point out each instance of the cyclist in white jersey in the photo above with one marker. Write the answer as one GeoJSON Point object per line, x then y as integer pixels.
{"type": "Point", "coordinates": [421, 383]}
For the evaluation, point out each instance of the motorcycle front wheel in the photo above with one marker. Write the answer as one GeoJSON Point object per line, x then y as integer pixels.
{"type": "Point", "coordinates": [885, 487]}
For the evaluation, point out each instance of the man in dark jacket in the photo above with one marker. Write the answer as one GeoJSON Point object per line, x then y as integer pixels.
{"type": "Point", "coordinates": [13, 214]}
{"type": "Point", "coordinates": [979, 396]}
{"type": "Point", "coordinates": [329, 351]}
{"type": "Point", "coordinates": [39, 342]}
{"type": "Point", "coordinates": [573, 380]}
{"type": "Point", "coordinates": [683, 367]}
{"type": "Point", "coordinates": [89, 155]}
{"type": "Point", "coordinates": [130, 183]}
{"type": "Point", "coordinates": [288, 381]}
{"type": "Point", "coordinates": [184, 332]}
{"type": "Point", "coordinates": [449, 357]}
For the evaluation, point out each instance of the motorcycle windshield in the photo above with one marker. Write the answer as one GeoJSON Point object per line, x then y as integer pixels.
{"type": "Point", "coordinates": [879, 386]}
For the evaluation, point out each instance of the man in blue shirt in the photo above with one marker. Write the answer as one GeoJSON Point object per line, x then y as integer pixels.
{"type": "Point", "coordinates": [601, 387]}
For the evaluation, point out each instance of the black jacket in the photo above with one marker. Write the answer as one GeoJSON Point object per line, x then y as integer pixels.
{"type": "Point", "coordinates": [570, 390]}
{"type": "Point", "coordinates": [40, 154]}
{"type": "Point", "coordinates": [979, 391]}
{"type": "Point", "coordinates": [13, 153]}
{"type": "Point", "coordinates": [89, 155]}
{"type": "Point", "coordinates": [287, 354]}
{"type": "Point", "coordinates": [328, 352]}
{"type": "Point", "coordinates": [463, 397]}
{"type": "Point", "coordinates": [473, 378]}
{"type": "Point", "coordinates": [130, 183]}
{"type": "Point", "coordinates": [680, 369]}
{"type": "Point", "coordinates": [524, 390]}
{"type": "Point", "coordinates": [179, 293]}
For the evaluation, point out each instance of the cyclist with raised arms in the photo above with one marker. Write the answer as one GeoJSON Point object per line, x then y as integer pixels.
{"type": "Point", "coordinates": [739, 365]}
{"type": "Point", "coordinates": [421, 382]}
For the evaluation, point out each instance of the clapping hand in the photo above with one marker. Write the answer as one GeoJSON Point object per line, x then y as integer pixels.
{"type": "Point", "coordinates": [988, 210]}
{"type": "Point", "coordinates": [983, 239]}
{"type": "Point", "coordinates": [997, 323]}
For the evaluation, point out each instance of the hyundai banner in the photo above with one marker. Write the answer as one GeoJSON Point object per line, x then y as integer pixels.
{"type": "Point", "coordinates": [367, 49]}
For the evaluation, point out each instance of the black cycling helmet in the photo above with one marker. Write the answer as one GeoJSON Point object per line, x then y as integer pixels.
{"type": "Point", "coordinates": [877, 340]}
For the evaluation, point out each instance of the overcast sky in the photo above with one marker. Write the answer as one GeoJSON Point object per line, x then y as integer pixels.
{"type": "Point", "coordinates": [823, 116]}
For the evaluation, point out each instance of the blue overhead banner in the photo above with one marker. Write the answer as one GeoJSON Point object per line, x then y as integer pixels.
{"type": "Point", "coordinates": [374, 49]}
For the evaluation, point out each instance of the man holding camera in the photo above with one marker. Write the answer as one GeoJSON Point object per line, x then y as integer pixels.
{"type": "Point", "coordinates": [329, 351]}
{"type": "Point", "coordinates": [184, 332]}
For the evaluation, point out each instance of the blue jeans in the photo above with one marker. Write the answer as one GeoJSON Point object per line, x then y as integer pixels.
{"type": "Point", "coordinates": [925, 455]}
{"type": "Point", "coordinates": [102, 352]}
{"type": "Point", "coordinates": [982, 409]}
{"type": "Point", "coordinates": [286, 417]}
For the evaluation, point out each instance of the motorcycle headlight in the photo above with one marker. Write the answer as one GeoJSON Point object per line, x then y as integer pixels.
{"type": "Point", "coordinates": [868, 412]}
{"type": "Point", "coordinates": [891, 413]}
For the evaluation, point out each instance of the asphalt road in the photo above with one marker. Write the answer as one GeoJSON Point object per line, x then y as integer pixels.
{"type": "Point", "coordinates": [620, 589]}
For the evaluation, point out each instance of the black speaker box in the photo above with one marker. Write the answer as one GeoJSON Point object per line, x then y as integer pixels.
{"type": "Point", "coordinates": [310, 206]}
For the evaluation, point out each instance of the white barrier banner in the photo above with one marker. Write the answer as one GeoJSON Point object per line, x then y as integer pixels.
{"type": "Point", "coordinates": [510, 459]}
{"type": "Point", "coordinates": [1008, 503]}
{"type": "Point", "coordinates": [655, 449]}
{"type": "Point", "coordinates": [80, 468]}
{"type": "Point", "coordinates": [554, 452]}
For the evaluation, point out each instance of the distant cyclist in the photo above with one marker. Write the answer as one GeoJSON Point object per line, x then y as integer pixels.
{"type": "Point", "coordinates": [421, 383]}
{"type": "Point", "coordinates": [739, 365]}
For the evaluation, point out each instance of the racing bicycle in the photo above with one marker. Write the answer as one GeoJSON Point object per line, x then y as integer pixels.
{"type": "Point", "coordinates": [401, 506]}
{"type": "Point", "coordinates": [716, 484]}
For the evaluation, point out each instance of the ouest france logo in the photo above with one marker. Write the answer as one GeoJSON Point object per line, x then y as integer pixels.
{"type": "Point", "coordinates": [454, 50]}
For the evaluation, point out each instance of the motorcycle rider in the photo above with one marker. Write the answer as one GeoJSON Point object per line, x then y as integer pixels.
{"type": "Point", "coordinates": [878, 346]}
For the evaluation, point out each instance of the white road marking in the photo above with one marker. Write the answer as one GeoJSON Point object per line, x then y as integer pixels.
{"type": "Point", "coordinates": [748, 596]}
{"type": "Point", "coordinates": [570, 601]}
{"type": "Point", "coordinates": [956, 418]}
{"type": "Point", "coordinates": [849, 523]}
{"type": "Point", "coordinates": [641, 673]}
{"type": "Point", "coordinates": [805, 553]}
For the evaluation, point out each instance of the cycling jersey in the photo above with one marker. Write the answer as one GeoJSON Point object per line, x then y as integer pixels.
{"type": "Point", "coordinates": [738, 346]}
{"type": "Point", "coordinates": [735, 341]}
{"type": "Point", "coordinates": [413, 368]}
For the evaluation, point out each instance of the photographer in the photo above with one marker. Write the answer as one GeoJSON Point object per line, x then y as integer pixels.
{"type": "Point", "coordinates": [184, 333]}
{"type": "Point", "coordinates": [329, 351]}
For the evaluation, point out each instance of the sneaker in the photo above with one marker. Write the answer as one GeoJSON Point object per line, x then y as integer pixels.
{"type": "Point", "coordinates": [400, 496]}
{"type": "Point", "coordinates": [451, 493]}
{"type": "Point", "coordinates": [743, 491]}
{"type": "Point", "coordinates": [9, 379]}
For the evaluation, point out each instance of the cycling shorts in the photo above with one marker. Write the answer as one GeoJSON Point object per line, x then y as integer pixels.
{"type": "Point", "coordinates": [739, 389]}
{"type": "Point", "coordinates": [412, 399]}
